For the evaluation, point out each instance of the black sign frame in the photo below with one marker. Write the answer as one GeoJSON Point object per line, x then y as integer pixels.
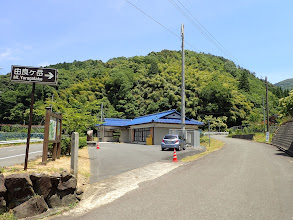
{"type": "Point", "coordinates": [38, 75]}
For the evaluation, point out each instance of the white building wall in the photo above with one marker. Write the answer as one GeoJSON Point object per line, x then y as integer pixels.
{"type": "Point", "coordinates": [159, 133]}
{"type": "Point", "coordinates": [124, 136]}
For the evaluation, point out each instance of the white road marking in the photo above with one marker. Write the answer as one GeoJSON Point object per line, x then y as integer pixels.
{"type": "Point", "coordinates": [3, 158]}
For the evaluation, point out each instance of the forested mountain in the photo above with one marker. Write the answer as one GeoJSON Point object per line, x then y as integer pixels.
{"type": "Point", "coordinates": [286, 84]}
{"type": "Point", "coordinates": [216, 89]}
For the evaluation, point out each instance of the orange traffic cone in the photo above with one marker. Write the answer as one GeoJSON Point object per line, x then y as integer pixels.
{"type": "Point", "coordinates": [175, 156]}
{"type": "Point", "coordinates": [98, 146]}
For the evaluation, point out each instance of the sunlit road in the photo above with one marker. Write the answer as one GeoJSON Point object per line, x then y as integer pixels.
{"type": "Point", "coordinates": [16, 154]}
{"type": "Point", "coordinates": [244, 180]}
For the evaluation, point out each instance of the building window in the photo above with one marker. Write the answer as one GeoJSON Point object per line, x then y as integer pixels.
{"type": "Point", "coordinates": [141, 134]}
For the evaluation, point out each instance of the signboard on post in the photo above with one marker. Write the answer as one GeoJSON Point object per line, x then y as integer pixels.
{"type": "Point", "coordinates": [32, 75]}
{"type": "Point", "coordinates": [52, 134]}
{"type": "Point", "coordinates": [25, 74]}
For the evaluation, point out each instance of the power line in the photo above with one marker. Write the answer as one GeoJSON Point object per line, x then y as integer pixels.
{"type": "Point", "coordinates": [159, 23]}
{"type": "Point", "coordinates": [204, 57]}
{"type": "Point", "coordinates": [153, 19]}
{"type": "Point", "coordinates": [202, 29]}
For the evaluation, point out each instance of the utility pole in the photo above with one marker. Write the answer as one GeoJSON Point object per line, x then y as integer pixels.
{"type": "Point", "coordinates": [102, 112]}
{"type": "Point", "coordinates": [267, 105]}
{"type": "Point", "coordinates": [209, 133]}
{"type": "Point", "coordinates": [183, 87]}
{"type": "Point", "coordinates": [264, 114]}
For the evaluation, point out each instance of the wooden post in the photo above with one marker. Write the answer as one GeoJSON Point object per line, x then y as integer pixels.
{"type": "Point", "coordinates": [29, 127]}
{"type": "Point", "coordinates": [46, 136]}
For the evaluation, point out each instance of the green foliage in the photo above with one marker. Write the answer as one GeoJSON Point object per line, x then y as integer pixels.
{"type": "Point", "coordinates": [66, 145]}
{"type": "Point", "coordinates": [82, 142]}
{"type": "Point", "coordinates": [285, 84]}
{"type": "Point", "coordinates": [243, 81]}
{"type": "Point", "coordinates": [8, 216]}
{"type": "Point", "coordinates": [286, 105]}
{"type": "Point", "coordinates": [139, 85]}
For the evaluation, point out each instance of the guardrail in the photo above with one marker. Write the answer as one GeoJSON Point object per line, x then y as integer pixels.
{"type": "Point", "coordinates": [5, 136]}
{"type": "Point", "coordinates": [216, 133]}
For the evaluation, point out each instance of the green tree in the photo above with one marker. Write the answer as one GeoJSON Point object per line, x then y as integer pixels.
{"type": "Point", "coordinates": [243, 81]}
{"type": "Point", "coordinates": [286, 105]}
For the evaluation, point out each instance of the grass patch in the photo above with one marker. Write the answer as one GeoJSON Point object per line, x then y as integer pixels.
{"type": "Point", "coordinates": [8, 216]}
{"type": "Point", "coordinates": [261, 137]}
{"type": "Point", "coordinates": [204, 141]}
{"type": "Point", "coordinates": [57, 166]}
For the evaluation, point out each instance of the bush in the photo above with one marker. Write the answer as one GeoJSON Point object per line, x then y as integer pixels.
{"type": "Point", "coordinates": [8, 216]}
{"type": "Point", "coordinates": [66, 145]}
{"type": "Point", "coordinates": [82, 142]}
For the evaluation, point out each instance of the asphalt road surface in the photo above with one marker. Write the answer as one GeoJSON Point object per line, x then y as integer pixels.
{"type": "Point", "coordinates": [244, 180]}
{"type": "Point", "coordinates": [16, 154]}
{"type": "Point", "coordinates": [115, 158]}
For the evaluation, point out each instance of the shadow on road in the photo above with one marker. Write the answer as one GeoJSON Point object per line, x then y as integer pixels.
{"type": "Point", "coordinates": [282, 153]}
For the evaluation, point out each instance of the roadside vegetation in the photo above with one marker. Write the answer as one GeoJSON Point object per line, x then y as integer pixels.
{"type": "Point", "coordinates": [204, 141]}
{"type": "Point", "coordinates": [57, 166]}
{"type": "Point", "coordinates": [217, 90]}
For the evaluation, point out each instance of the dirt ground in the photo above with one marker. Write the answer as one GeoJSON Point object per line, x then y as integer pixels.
{"type": "Point", "coordinates": [57, 166]}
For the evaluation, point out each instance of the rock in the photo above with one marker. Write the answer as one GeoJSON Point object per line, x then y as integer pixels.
{"type": "Point", "coordinates": [2, 205]}
{"type": "Point", "coordinates": [90, 135]}
{"type": "Point", "coordinates": [42, 184]}
{"type": "Point", "coordinates": [69, 184]}
{"type": "Point", "coordinates": [2, 186]}
{"type": "Point", "coordinates": [55, 179]}
{"type": "Point", "coordinates": [19, 189]}
{"type": "Point", "coordinates": [34, 206]}
{"type": "Point", "coordinates": [69, 199]}
{"type": "Point", "coordinates": [65, 176]}
{"type": "Point", "coordinates": [79, 191]}
{"type": "Point", "coordinates": [54, 201]}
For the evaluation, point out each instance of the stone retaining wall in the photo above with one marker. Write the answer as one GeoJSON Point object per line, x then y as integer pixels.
{"type": "Point", "coordinates": [283, 138]}
{"type": "Point", "coordinates": [31, 194]}
{"type": "Point", "coordinates": [244, 136]}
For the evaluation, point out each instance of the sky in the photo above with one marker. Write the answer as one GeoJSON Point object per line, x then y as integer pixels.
{"type": "Point", "coordinates": [255, 34]}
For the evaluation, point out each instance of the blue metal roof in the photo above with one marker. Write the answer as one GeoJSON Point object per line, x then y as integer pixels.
{"type": "Point", "coordinates": [150, 118]}
{"type": "Point", "coordinates": [157, 117]}
{"type": "Point", "coordinates": [177, 121]}
{"type": "Point", "coordinates": [116, 122]}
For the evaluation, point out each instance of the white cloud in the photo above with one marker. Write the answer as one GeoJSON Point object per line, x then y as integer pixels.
{"type": "Point", "coordinates": [7, 55]}
{"type": "Point", "coordinates": [14, 53]}
{"type": "Point", "coordinates": [43, 64]}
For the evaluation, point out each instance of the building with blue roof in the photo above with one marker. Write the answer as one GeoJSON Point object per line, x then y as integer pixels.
{"type": "Point", "coordinates": [154, 125]}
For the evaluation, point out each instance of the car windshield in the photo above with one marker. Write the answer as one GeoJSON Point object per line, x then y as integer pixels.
{"type": "Point", "coordinates": [170, 137]}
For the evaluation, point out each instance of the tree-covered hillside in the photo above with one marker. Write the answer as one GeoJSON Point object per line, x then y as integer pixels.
{"type": "Point", "coordinates": [286, 84]}
{"type": "Point", "coordinates": [129, 87]}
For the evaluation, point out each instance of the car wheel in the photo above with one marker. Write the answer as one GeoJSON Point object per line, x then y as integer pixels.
{"type": "Point", "coordinates": [163, 149]}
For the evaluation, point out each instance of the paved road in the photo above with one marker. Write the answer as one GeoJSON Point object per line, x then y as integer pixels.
{"type": "Point", "coordinates": [115, 158]}
{"type": "Point", "coordinates": [244, 180]}
{"type": "Point", "coordinates": [16, 154]}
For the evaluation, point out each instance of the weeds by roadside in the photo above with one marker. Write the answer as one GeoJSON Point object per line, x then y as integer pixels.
{"type": "Point", "coordinates": [8, 216]}
{"type": "Point", "coordinates": [204, 141]}
{"type": "Point", "coordinates": [56, 166]}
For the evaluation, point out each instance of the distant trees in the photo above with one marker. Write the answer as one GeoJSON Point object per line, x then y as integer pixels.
{"type": "Point", "coordinates": [130, 87]}
{"type": "Point", "coordinates": [286, 105]}
{"type": "Point", "coordinates": [243, 81]}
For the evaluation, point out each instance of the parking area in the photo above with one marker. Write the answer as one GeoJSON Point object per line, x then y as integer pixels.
{"type": "Point", "coordinates": [116, 158]}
